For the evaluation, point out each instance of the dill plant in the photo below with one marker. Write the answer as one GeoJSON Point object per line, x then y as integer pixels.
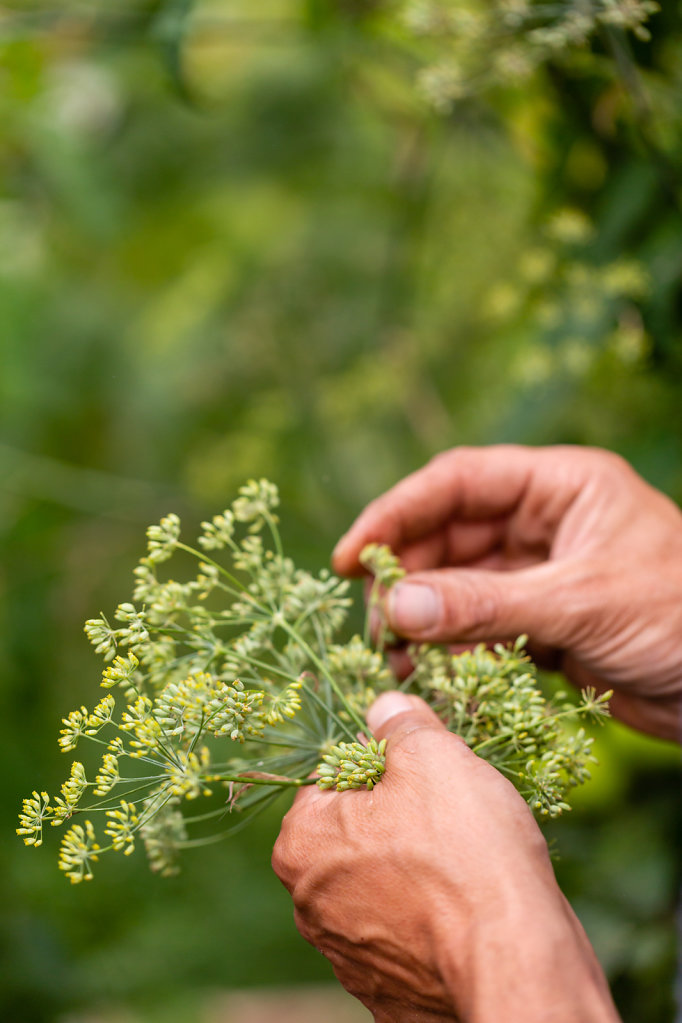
{"type": "Point", "coordinates": [223, 691]}
{"type": "Point", "coordinates": [468, 47]}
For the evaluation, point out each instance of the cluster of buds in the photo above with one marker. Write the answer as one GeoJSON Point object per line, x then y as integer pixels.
{"type": "Point", "coordinates": [350, 765]}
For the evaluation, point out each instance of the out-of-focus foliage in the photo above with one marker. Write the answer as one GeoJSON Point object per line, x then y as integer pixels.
{"type": "Point", "coordinates": [237, 240]}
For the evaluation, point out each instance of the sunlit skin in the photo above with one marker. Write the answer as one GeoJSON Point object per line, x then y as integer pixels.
{"type": "Point", "coordinates": [433, 896]}
{"type": "Point", "coordinates": [566, 544]}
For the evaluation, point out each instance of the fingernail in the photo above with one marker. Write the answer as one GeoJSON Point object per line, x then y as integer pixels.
{"type": "Point", "coordinates": [413, 607]}
{"type": "Point", "coordinates": [386, 707]}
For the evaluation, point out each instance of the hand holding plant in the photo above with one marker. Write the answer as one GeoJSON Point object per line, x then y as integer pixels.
{"type": "Point", "coordinates": [433, 895]}
{"type": "Point", "coordinates": [567, 544]}
{"type": "Point", "coordinates": [233, 686]}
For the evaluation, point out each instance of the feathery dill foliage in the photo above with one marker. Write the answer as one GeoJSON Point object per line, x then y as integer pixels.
{"type": "Point", "coordinates": [229, 688]}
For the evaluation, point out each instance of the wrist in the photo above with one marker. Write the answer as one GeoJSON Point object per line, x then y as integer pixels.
{"type": "Point", "coordinates": [528, 961]}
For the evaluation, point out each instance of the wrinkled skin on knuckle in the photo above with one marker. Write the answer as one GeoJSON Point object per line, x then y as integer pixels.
{"type": "Point", "coordinates": [378, 953]}
{"type": "Point", "coordinates": [471, 605]}
{"type": "Point", "coordinates": [627, 634]}
{"type": "Point", "coordinates": [304, 926]}
{"type": "Point", "coordinates": [300, 832]}
{"type": "Point", "coordinates": [347, 905]}
{"type": "Point", "coordinates": [391, 984]}
{"type": "Point", "coordinates": [462, 463]}
{"type": "Point", "coordinates": [580, 462]}
{"type": "Point", "coordinates": [611, 462]}
{"type": "Point", "coordinates": [283, 864]}
{"type": "Point", "coordinates": [375, 878]}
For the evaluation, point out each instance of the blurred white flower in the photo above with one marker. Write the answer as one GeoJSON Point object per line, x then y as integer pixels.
{"type": "Point", "coordinates": [82, 98]}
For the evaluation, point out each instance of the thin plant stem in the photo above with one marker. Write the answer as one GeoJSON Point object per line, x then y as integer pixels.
{"type": "Point", "coordinates": [322, 667]}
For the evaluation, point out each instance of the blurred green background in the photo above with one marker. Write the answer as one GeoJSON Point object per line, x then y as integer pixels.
{"type": "Point", "coordinates": [235, 240]}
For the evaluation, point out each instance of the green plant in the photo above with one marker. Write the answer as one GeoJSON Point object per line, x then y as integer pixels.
{"type": "Point", "coordinates": [471, 47]}
{"type": "Point", "coordinates": [233, 687]}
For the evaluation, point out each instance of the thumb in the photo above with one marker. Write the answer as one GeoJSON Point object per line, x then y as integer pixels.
{"type": "Point", "coordinates": [447, 605]}
{"type": "Point", "coordinates": [420, 747]}
{"type": "Point", "coordinates": [396, 712]}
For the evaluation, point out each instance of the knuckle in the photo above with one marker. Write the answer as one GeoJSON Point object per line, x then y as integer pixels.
{"type": "Point", "coordinates": [602, 461]}
{"type": "Point", "coordinates": [302, 924]}
{"type": "Point", "coordinates": [279, 861]}
{"type": "Point", "coordinates": [462, 459]}
{"type": "Point", "coordinates": [447, 456]}
{"type": "Point", "coordinates": [612, 462]}
{"type": "Point", "coordinates": [384, 518]}
{"type": "Point", "coordinates": [424, 751]}
{"type": "Point", "coordinates": [459, 465]}
{"type": "Point", "coordinates": [473, 605]}
{"type": "Point", "coordinates": [287, 860]}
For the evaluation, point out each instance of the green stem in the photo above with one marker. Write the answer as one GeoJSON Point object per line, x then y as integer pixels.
{"type": "Point", "coordinates": [289, 676]}
{"type": "Point", "coordinates": [273, 669]}
{"type": "Point", "coordinates": [289, 742]}
{"type": "Point", "coordinates": [125, 752]}
{"type": "Point", "coordinates": [330, 713]}
{"type": "Point", "coordinates": [277, 781]}
{"type": "Point", "coordinates": [372, 602]}
{"type": "Point", "coordinates": [274, 532]}
{"type": "Point", "coordinates": [322, 667]}
{"type": "Point", "coordinates": [112, 800]}
{"type": "Point", "coordinates": [262, 803]}
{"type": "Point", "coordinates": [199, 731]}
{"type": "Point", "coordinates": [168, 754]}
{"type": "Point", "coordinates": [500, 737]}
{"type": "Point", "coordinates": [211, 815]}
{"type": "Point", "coordinates": [240, 591]}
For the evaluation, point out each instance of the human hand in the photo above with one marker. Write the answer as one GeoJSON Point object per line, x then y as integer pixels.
{"type": "Point", "coordinates": [566, 544]}
{"type": "Point", "coordinates": [433, 895]}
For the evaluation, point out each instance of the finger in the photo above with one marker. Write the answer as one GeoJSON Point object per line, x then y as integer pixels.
{"type": "Point", "coordinates": [395, 716]}
{"type": "Point", "coordinates": [395, 712]}
{"type": "Point", "coordinates": [659, 717]}
{"type": "Point", "coordinates": [429, 552]}
{"type": "Point", "coordinates": [509, 560]}
{"type": "Point", "coordinates": [456, 544]}
{"type": "Point", "coordinates": [547, 601]}
{"type": "Point", "coordinates": [470, 483]}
